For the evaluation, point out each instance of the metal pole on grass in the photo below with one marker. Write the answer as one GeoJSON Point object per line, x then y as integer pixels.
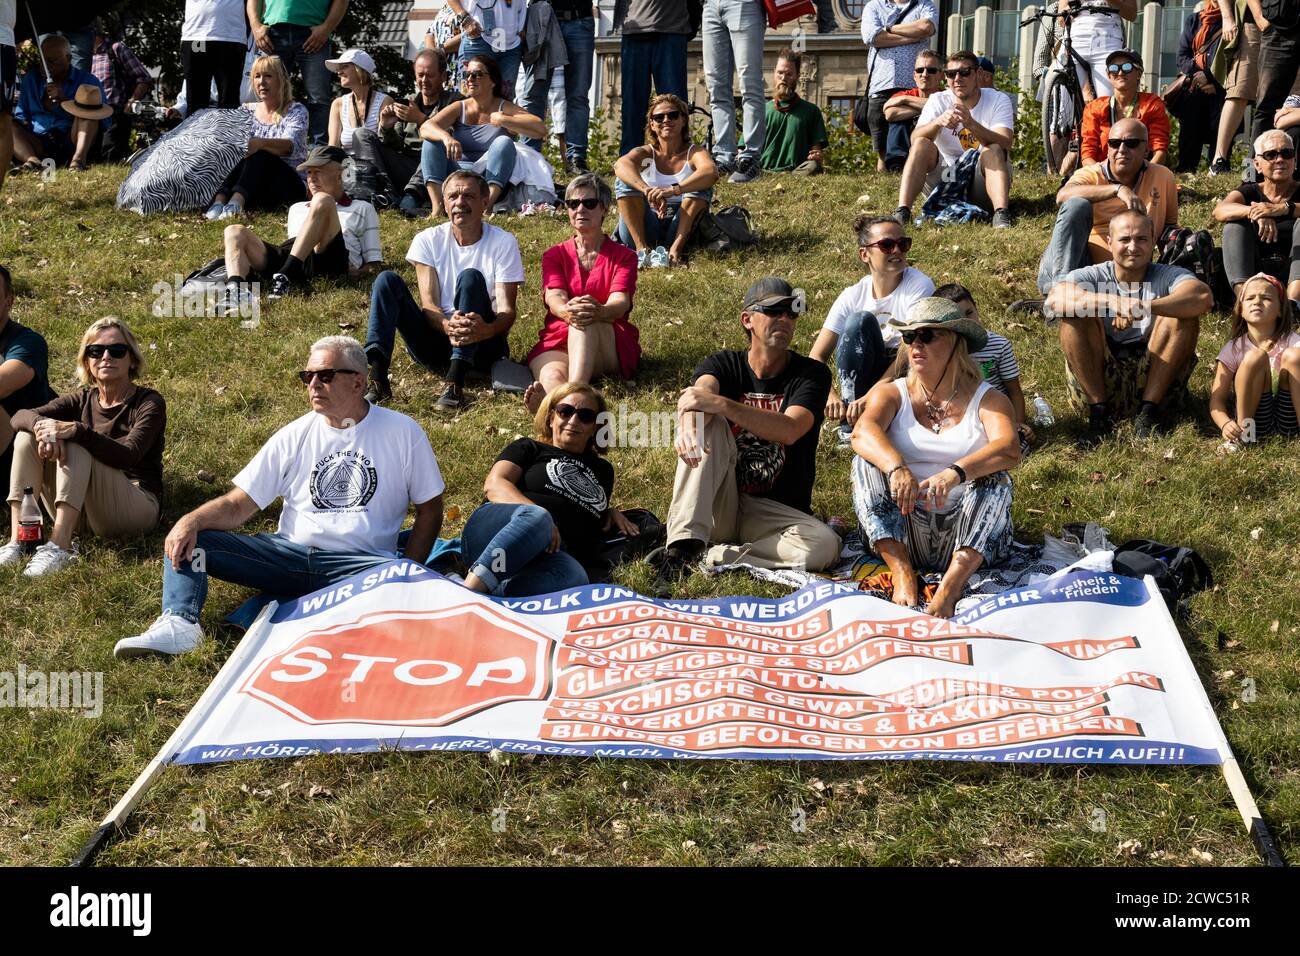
{"type": "Point", "coordinates": [36, 39]}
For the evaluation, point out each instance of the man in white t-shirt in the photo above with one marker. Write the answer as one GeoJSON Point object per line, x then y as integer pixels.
{"type": "Point", "coordinates": [347, 471]}
{"type": "Point", "coordinates": [857, 332]}
{"type": "Point", "coordinates": [963, 117]}
{"type": "Point", "coordinates": [329, 235]}
{"type": "Point", "coordinates": [469, 273]}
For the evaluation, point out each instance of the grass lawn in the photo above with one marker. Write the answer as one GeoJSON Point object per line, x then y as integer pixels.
{"type": "Point", "coordinates": [76, 258]}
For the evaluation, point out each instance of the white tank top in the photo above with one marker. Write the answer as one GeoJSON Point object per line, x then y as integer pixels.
{"type": "Point", "coordinates": [926, 453]}
{"type": "Point", "coordinates": [657, 180]}
{"type": "Point", "coordinates": [345, 116]}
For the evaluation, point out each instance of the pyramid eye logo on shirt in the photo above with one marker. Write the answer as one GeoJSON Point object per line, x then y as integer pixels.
{"type": "Point", "coordinates": [343, 479]}
{"type": "Point", "coordinates": [574, 480]}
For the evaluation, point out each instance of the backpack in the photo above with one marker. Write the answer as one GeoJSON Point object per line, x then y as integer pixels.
{"type": "Point", "coordinates": [364, 180]}
{"type": "Point", "coordinates": [730, 228]}
{"type": "Point", "coordinates": [1195, 252]}
{"type": "Point", "coordinates": [1179, 572]}
{"type": "Point", "coordinates": [618, 549]}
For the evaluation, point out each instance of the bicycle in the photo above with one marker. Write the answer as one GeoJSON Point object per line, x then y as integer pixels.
{"type": "Point", "coordinates": [1061, 86]}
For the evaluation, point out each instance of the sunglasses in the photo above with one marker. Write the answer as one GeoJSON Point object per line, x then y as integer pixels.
{"type": "Point", "coordinates": [475, 74]}
{"type": "Point", "coordinates": [1131, 142]}
{"type": "Point", "coordinates": [97, 351]}
{"type": "Point", "coordinates": [890, 246]}
{"type": "Point", "coordinates": [1115, 69]}
{"type": "Point", "coordinates": [927, 70]}
{"type": "Point", "coordinates": [585, 415]}
{"type": "Point", "coordinates": [1271, 154]}
{"type": "Point", "coordinates": [590, 202]}
{"type": "Point", "coordinates": [326, 375]}
{"type": "Point", "coordinates": [669, 117]}
{"type": "Point", "coordinates": [922, 336]}
{"type": "Point", "coordinates": [962, 72]}
{"type": "Point", "coordinates": [778, 311]}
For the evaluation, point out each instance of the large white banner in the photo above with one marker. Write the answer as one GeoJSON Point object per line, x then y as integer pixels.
{"type": "Point", "coordinates": [1084, 668]}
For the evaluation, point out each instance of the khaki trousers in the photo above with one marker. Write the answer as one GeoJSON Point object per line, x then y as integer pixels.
{"type": "Point", "coordinates": [707, 506]}
{"type": "Point", "coordinates": [111, 504]}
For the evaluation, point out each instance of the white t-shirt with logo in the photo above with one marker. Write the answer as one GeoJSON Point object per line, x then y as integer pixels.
{"type": "Point", "coordinates": [360, 225]}
{"type": "Point", "coordinates": [859, 297]}
{"type": "Point", "coordinates": [345, 489]}
{"type": "Point", "coordinates": [496, 255]}
{"type": "Point", "coordinates": [221, 21]}
{"type": "Point", "coordinates": [993, 110]}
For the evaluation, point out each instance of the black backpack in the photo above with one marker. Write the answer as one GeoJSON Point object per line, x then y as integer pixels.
{"type": "Point", "coordinates": [1195, 252]}
{"type": "Point", "coordinates": [728, 229]}
{"type": "Point", "coordinates": [1179, 572]}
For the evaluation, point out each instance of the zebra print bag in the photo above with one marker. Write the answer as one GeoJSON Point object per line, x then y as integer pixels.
{"type": "Point", "coordinates": [185, 167]}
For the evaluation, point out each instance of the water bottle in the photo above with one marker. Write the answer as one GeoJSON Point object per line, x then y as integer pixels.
{"type": "Point", "coordinates": [30, 527]}
{"type": "Point", "coordinates": [1043, 412]}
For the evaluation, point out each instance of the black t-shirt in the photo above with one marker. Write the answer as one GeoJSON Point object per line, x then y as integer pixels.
{"type": "Point", "coordinates": [575, 489]}
{"type": "Point", "coordinates": [1251, 193]}
{"type": "Point", "coordinates": [765, 468]}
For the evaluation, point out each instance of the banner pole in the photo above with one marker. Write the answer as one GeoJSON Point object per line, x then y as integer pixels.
{"type": "Point", "coordinates": [1241, 795]}
{"type": "Point", "coordinates": [116, 818]}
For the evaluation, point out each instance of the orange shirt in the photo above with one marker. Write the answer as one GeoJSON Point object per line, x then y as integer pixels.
{"type": "Point", "coordinates": [1097, 120]}
{"type": "Point", "coordinates": [1155, 187]}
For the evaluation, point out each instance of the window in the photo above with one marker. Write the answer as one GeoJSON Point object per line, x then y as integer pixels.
{"type": "Point", "coordinates": [842, 104]}
{"type": "Point", "coordinates": [849, 11]}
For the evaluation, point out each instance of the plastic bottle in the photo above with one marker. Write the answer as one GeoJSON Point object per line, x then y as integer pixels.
{"type": "Point", "coordinates": [1043, 412]}
{"type": "Point", "coordinates": [30, 526]}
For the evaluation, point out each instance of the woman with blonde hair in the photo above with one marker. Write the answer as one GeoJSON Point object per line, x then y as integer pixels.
{"type": "Point", "coordinates": [930, 483]}
{"type": "Point", "coordinates": [548, 502]}
{"type": "Point", "coordinates": [267, 177]}
{"type": "Point", "coordinates": [360, 105]}
{"type": "Point", "coordinates": [663, 187]}
{"type": "Point", "coordinates": [93, 455]}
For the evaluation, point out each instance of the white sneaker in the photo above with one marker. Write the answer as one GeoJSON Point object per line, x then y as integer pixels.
{"type": "Point", "coordinates": [169, 634]}
{"type": "Point", "coordinates": [230, 210]}
{"type": "Point", "coordinates": [48, 559]}
{"type": "Point", "coordinates": [214, 211]}
{"type": "Point", "coordinates": [11, 553]}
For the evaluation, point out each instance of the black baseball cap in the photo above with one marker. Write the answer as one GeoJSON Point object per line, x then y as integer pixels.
{"type": "Point", "coordinates": [322, 156]}
{"type": "Point", "coordinates": [767, 292]}
{"type": "Point", "coordinates": [1124, 54]}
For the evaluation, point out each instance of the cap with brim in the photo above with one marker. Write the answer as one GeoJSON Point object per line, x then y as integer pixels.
{"type": "Point", "coordinates": [88, 103]}
{"type": "Point", "coordinates": [322, 156]}
{"type": "Point", "coordinates": [359, 58]}
{"type": "Point", "coordinates": [767, 292]}
{"type": "Point", "coordinates": [937, 313]}
{"type": "Point", "coordinates": [987, 65]}
{"type": "Point", "coordinates": [1124, 54]}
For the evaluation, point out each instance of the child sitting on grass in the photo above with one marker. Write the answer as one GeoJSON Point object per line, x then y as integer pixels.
{"type": "Point", "coordinates": [996, 360]}
{"type": "Point", "coordinates": [1258, 371]}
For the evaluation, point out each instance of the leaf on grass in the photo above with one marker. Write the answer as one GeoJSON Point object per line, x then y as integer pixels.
{"type": "Point", "coordinates": [1169, 455]}
{"type": "Point", "coordinates": [1274, 626]}
{"type": "Point", "coordinates": [345, 326]}
{"type": "Point", "coordinates": [1067, 503]}
{"type": "Point", "coordinates": [316, 790]}
{"type": "Point", "coordinates": [1097, 476]}
{"type": "Point", "coordinates": [1255, 533]}
{"type": "Point", "coordinates": [1152, 482]}
{"type": "Point", "coordinates": [688, 845]}
{"type": "Point", "coordinates": [1130, 848]}
{"type": "Point", "coordinates": [206, 476]}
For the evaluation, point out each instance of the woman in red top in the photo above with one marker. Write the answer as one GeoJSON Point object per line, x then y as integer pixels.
{"type": "Point", "coordinates": [1124, 68]}
{"type": "Point", "coordinates": [587, 284]}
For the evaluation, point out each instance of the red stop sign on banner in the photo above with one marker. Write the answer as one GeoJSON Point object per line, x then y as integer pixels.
{"type": "Point", "coordinates": [407, 667]}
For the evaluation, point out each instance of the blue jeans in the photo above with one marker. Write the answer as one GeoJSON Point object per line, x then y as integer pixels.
{"type": "Point", "coordinates": [394, 310]}
{"type": "Point", "coordinates": [269, 563]}
{"type": "Point", "coordinates": [860, 355]}
{"type": "Point", "coordinates": [898, 143]}
{"type": "Point", "coordinates": [507, 60]}
{"type": "Point", "coordinates": [501, 157]}
{"type": "Point", "coordinates": [732, 32]}
{"type": "Point", "coordinates": [580, 41]}
{"type": "Point", "coordinates": [659, 231]}
{"type": "Point", "coordinates": [647, 55]}
{"type": "Point", "coordinates": [1068, 248]}
{"type": "Point", "coordinates": [505, 545]}
{"type": "Point", "coordinates": [288, 38]}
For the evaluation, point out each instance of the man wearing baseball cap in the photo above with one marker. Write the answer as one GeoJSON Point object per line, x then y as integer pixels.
{"type": "Point", "coordinates": [60, 119]}
{"type": "Point", "coordinates": [330, 234]}
{"type": "Point", "coordinates": [747, 440]}
{"type": "Point", "coordinates": [1127, 101]}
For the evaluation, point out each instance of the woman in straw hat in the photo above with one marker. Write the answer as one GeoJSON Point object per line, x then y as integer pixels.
{"type": "Point", "coordinates": [930, 485]}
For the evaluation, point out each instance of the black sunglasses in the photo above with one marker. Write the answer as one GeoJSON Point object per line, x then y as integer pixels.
{"type": "Point", "coordinates": [668, 117]}
{"type": "Point", "coordinates": [1271, 154]}
{"type": "Point", "coordinates": [924, 336]}
{"type": "Point", "coordinates": [475, 74]}
{"type": "Point", "coordinates": [776, 311]}
{"type": "Point", "coordinates": [962, 71]}
{"type": "Point", "coordinates": [117, 350]}
{"type": "Point", "coordinates": [927, 70]}
{"type": "Point", "coordinates": [585, 415]}
{"type": "Point", "coordinates": [890, 245]}
{"type": "Point", "coordinates": [589, 202]}
{"type": "Point", "coordinates": [326, 375]}
{"type": "Point", "coordinates": [1115, 69]}
{"type": "Point", "coordinates": [1132, 142]}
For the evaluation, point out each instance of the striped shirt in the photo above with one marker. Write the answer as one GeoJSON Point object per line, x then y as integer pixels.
{"type": "Point", "coordinates": [997, 362]}
{"type": "Point", "coordinates": [118, 71]}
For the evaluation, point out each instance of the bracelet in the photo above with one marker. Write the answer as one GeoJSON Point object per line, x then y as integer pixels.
{"type": "Point", "coordinates": [961, 472]}
{"type": "Point", "coordinates": [890, 474]}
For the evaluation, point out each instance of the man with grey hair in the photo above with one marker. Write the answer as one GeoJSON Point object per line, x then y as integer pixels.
{"type": "Point", "coordinates": [62, 118]}
{"type": "Point", "coordinates": [348, 472]}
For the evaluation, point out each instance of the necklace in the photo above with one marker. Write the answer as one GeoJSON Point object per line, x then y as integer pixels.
{"type": "Point", "coordinates": [937, 413]}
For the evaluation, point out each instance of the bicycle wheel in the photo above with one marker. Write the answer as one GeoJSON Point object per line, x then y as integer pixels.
{"type": "Point", "coordinates": [1060, 121]}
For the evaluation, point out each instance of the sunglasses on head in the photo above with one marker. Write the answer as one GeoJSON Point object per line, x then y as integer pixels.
{"type": "Point", "coordinates": [1115, 69]}
{"type": "Point", "coordinates": [670, 116]}
{"type": "Point", "coordinates": [890, 245]}
{"type": "Point", "coordinates": [1131, 142]}
{"type": "Point", "coordinates": [326, 375]}
{"type": "Point", "coordinates": [922, 336]}
{"type": "Point", "coordinates": [589, 202]}
{"type": "Point", "coordinates": [1285, 152]}
{"type": "Point", "coordinates": [585, 415]}
{"type": "Point", "coordinates": [927, 70]}
{"type": "Point", "coordinates": [116, 350]}
{"type": "Point", "coordinates": [960, 71]}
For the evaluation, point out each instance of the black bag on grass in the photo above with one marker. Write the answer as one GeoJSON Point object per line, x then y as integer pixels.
{"type": "Point", "coordinates": [619, 549]}
{"type": "Point", "coordinates": [1179, 572]}
{"type": "Point", "coordinates": [728, 229]}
